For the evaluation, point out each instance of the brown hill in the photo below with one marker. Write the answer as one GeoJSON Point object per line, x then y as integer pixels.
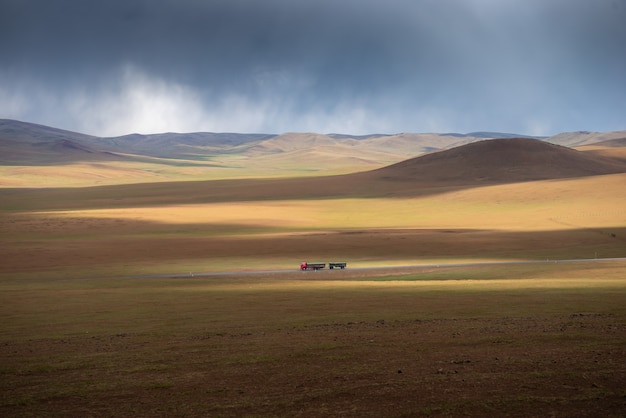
{"type": "Point", "coordinates": [490, 162]}
{"type": "Point", "coordinates": [52, 152]}
{"type": "Point", "coordinates": [502, 161]}
{"type": "Point", "coordinates": [33, 144]}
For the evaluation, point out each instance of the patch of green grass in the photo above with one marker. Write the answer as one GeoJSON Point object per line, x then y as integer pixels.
{"type": "Point", "coordinates": [159, 385]}
{"type": "Point", "coordinates": [253, 359]}
{"type": "Point", "coordinates": [21, 401]}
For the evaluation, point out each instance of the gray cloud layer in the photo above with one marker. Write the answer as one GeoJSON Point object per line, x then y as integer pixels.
{"type": "Point", "coordinates": [355, 66]}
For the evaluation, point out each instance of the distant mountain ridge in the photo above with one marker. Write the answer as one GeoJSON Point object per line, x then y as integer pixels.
{"type": "Point", "coordinates": [28, 143]}
{"type": "Point", "coordinates": [32, 132]}
{"type": "Point", "coordinates": [177, 145]}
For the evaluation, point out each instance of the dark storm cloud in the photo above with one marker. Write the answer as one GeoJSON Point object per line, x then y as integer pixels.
{"type": "Point", "coordinates": [352, 65]}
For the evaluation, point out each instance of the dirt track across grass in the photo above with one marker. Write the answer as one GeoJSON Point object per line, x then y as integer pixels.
{"type": "Point", "coordinates": [386, 270]}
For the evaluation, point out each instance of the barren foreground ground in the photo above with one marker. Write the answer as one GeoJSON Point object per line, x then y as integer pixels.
{"type": "Point", "coordinates": [544, 340]}
{"type": "Point", "coordinates": [79, 339]}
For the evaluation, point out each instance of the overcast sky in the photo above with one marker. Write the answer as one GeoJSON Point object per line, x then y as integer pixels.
{"type": "Point", "coordinates": [346, 66]}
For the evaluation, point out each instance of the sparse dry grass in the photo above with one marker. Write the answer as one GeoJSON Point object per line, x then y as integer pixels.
{"type": "Point", "coordinates": [228, 166]}
{"type": "Point", "coordinates": [319, 344]}
{"type": "Point", "coordinates": [581, 218]}
{"type": "Point", "coordinates": [547, 338]}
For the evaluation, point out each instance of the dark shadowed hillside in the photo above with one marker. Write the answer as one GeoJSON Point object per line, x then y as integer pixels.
{"type": "Point", "coordinates": [29, 143]}
{"type": "Point", "coordinates": [502, 160]}
{"type": "Point", "coordinates": [34, 133]}
{"type": "Point", "coordinates": [489, 162]}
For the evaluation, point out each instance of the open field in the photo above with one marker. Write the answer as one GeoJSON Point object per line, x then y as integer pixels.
{"type": "Point", "coordinates": [197, 226]}
{"type": "Point", "coordinates": [540, 340]}
{"type": "Point", "coordinates": [85, 174]}
{"type": "Point", "coordinates": [81, 338]}
{"type": "Point", "coordinates": [544, 340]}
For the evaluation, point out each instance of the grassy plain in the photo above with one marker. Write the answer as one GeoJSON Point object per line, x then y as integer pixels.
{"type": "Point", "coordinates": [233, 166]}
{"type": "Point", "coordinates": [545, 340]}
{"type": "Point", "coordinates": [197, 227]}
{"type": "Point", "coordinates": [80, 339]}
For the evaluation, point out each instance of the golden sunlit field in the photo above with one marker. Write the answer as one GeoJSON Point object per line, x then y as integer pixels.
{"type": "Point", "coordinates": [185, 299]}
{"type": "Point", "coordinates": [122, 233]}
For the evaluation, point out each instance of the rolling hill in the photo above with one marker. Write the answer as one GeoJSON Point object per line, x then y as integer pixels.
{"type": "Point", "coordinates": [489, 162]}
{"type": "Point", "coordinates": [32, 155]}
{"type": "Point", "coordinates": [31, 144]}
{"type": "Point", "coordinates": [502, 161]}
{"type": "Point", "coordinates": [27, 142]}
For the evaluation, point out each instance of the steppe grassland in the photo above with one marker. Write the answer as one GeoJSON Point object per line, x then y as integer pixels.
{"type": "Point", "coordinates": [78, 174]}
{"type": "Point", "coordinates": [201, 345]}
{"type": "Point", "coordinates": [85, 174]}
{"type": "Point", "coordinates": [58, 308]}
{"type": "Point", "coordinates": [168, 344]}
{"type": "Point", "coordinates": [584, 213]}
{"type": "Point", "coordinates": [589, 202]}
{"type": "Point", "coordinates": [109, 173]}
{"type": "Point", "coordinates": [596, 201]}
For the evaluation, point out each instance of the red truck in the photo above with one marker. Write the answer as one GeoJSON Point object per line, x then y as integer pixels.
{"type": "Point", "coordinates": [319, 266]}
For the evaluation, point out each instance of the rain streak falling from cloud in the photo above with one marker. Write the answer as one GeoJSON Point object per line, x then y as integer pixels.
{"type": "Point", "coordinates": [116, 67]}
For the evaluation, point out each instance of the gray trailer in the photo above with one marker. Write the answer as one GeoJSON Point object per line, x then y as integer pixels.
{"type": "Point", "coordinates": [337, 265]}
